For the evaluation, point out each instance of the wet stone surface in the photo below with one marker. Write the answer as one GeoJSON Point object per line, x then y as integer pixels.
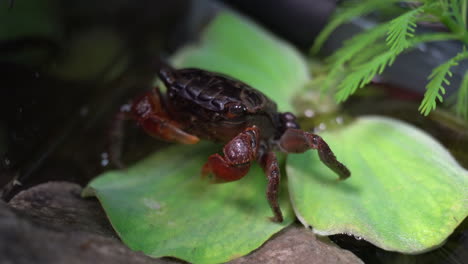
{"type": "Point", "coordinates": [51, 223]}
{"type": "Point", "coordinates": [296, 244]}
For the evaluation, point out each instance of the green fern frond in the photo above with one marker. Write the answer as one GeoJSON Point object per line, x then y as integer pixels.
{"type": "Point", "coordinates": [435, 87]}
{"type": "Point", "coordinates": [364, 74]}
{"type": "Point", "coordinates": [430, 37]}
{"type": "Point", "coordinates": [352, 10]}
{"type": "Point", "coordinates": [402, 28]}
{"type": "Point", "coordinates": [351, 48]}
{"type": "Point", "coordinates": [334, 76]}
{"type": "Point", "coordinates": [356, 45]}
{"type": "Point", "coordinates": [437, 80]}
{"type": "Point", "coordinates": [367, 54]}
{"type": "Point", "coordinates": [461, 107]}
{"type": "Point", "coordinates": [456, 12]}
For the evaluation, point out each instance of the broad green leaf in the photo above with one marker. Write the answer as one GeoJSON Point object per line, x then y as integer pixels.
{"type": "Point", "coordinates": [406, 192]}
{"type": "Point", "coordinates": [37, 24]}
{"type": "Point", "coordinates": [162, 207]}
{"type": "Point", "coordinates": [233, 45]}
{"type": "Point", "coordinates": [29, 18]}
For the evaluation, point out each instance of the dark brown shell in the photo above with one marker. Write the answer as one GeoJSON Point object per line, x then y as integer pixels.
{"type": "Point", "coordinates": [212, 91]}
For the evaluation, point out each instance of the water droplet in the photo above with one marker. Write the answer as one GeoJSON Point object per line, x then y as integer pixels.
{"type": "Point", "coordinates": [309, 113]}
{"type": "Point", "coordinates": [422, 47]}
{"type": "Point", "coordinates": [322, 126]}
{"type": "Point", "coordinates": [17, 183]}
{"type": "Point", "coordinates": [84, 111]}
{"type": "Point", "coordinates": [339, 120]}
{"type": "Point", "coordinates": [125, 108]}
{"type": "Point", "coordinates": [104, 159]}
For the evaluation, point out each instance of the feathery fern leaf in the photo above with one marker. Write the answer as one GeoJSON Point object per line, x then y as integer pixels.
{"type": "Point", "coordinates": [402, 28]}
{"type": "Point", "coordinates": [352, 10]}
{"type": "Point", "coordinates": [367, 54]}
{"type": "Point", "coordinates": [435, 88]}
{"type": "Point", "coordinates": [334, 77]}
{"type": "Point", "coordinates": [363, 74]}
{"type": "Point", "coordinates": [456, 11]}
{"type": "Point", "coordinates": [356, 45]}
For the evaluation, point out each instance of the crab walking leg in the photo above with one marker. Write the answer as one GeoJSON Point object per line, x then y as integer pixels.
{"type": "Point", "coordinates": [238, 155]}
{"type": "Point", "coordinates": [269, 164]}
{"type": "Point", "coordinates": [298, 141]}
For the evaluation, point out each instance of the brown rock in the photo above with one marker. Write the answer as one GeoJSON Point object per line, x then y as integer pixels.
{"type": "Point", "coordinates": [298, 245]}
{"type": "Point", "coordinates": [51, 223]}
{"type": "Point", "coordinates": [59, 205]}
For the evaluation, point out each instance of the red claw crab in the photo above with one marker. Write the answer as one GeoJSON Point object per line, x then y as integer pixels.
{"type": "Point", "coordinates": [205, 105]}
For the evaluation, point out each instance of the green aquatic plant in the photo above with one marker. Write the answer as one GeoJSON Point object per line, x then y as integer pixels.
{"type": "Point", "coordinates": [370, 52]}
{"type": "Point", "coordinates": [406, 192]}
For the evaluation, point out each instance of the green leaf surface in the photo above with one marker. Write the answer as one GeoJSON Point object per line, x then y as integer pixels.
{"type": "Point", "coordinates": [29, 18]}
{"type": "Point", "coordinates": [233, 45]}
{"type": "Point", "coordinates": [162, 207]}
{"type": "Point", "coordinates": [406, 192]}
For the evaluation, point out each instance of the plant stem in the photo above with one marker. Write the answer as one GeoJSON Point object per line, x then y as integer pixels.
{"type": "Point", "coordinates": [463, 12]}
{"type": "Point", "coordinates": [455, 28]}
{"type": "Point", "coordinates": [434, 37]}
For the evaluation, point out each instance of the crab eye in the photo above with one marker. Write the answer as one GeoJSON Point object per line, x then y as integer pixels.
{"type": "Point", "coordinates": [236, 110]}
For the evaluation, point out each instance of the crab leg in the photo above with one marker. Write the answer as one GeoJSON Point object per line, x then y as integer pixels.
{"type": "Point", "coordinates": [238, 155]}
{"type": "Point", "coordinates": [269, 164]}
{"type": "Point", "coordinates": [298, 141]}
{"type": "Point", "coordinates": [164, 129]}
{"type": "Point", "coordinates": [149, 111]}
